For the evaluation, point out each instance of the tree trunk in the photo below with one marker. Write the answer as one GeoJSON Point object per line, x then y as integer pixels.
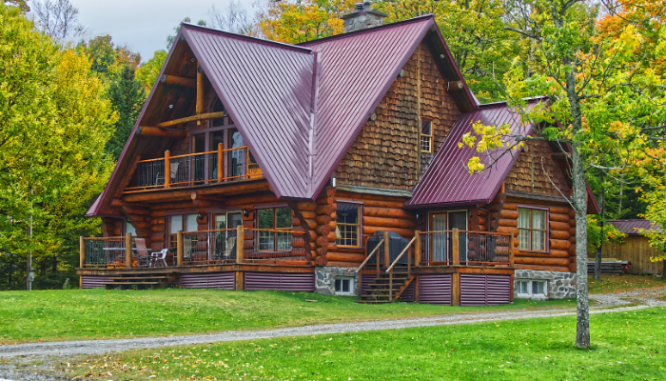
{"type": "Point", "coordinates": [663, 270]}
{"type": "Point", "coordinates": [579, 201]}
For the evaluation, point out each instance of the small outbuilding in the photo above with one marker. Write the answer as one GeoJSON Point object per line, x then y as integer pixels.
{"type": "Point", "coordinates": [636, 247]}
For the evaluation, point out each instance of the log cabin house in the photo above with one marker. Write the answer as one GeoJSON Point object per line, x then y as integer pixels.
{"type": "Point", "coordinates": [330, 166]}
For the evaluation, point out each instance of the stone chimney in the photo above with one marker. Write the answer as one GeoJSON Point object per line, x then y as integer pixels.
{"type": "Point", "coordinates": [362, 18]}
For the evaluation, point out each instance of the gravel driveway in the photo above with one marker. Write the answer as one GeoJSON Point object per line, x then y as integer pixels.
{"type": "Point", "coordinates": [56, 351]}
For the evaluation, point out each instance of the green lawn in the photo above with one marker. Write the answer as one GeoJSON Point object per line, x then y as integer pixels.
{"type": "Point", "coordinates": [626, 346]}
{"type": "Point", "coordinates": [95, 314]}
{"type": "Point", "coordinates": [618, 283]}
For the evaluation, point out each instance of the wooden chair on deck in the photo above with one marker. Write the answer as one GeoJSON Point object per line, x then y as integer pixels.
{"type": "Point", "coordinates": [230, 249]}
{"type": "Point", "coordinates": [142, 256]}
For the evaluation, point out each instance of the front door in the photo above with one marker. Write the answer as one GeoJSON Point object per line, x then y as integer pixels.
{"type": "Point", "coordinates": [458, 220]}
{"type": "Point", "coordinates": [225, 235]}
{"type": "Point", "coordinates": [440, 244]}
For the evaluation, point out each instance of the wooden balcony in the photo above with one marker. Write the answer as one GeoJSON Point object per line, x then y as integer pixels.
{"type": "Point", "coordinates": [223, 166]}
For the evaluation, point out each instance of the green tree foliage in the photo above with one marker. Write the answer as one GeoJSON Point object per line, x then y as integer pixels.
{"type": "Point", "coordinates": [475, 32]}
{"type": "Point", "coordinates": [147, 73]}
{"type": "Point", "coordinates": [55, 122]}
{"type": "Point", "coordinates": [127, 96]}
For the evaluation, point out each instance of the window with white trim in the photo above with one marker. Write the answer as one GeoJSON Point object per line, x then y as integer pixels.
{"type": "Point", "coordinates": [532, 227]}
{"type": "Point", "coordinates": [426, 136]}
{"type": "Point", "coordinates": [348, 225]}
{"type": "Point", "coordinates": [532, 288]}
{"type": "Point", "coordinates": [344, 286]}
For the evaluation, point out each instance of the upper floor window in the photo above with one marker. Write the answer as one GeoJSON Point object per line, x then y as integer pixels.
{"type": "Point", "coordinates": [532, 229]}
{"type": "Point", "coordinates": [426, 136]}
{"type": "Point", "coordinates": [348, 226]}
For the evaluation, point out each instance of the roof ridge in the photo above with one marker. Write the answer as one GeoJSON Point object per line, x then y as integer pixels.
{"type": "Point", "coordinates": [258, 40]}
{"type": "Point", "coordinates": [368, 30]}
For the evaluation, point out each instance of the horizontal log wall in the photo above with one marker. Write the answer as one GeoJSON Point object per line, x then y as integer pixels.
{"type": "Point", "coordinates": [561, 241]}
{"type": "Point", "coordinates": [380, 213]}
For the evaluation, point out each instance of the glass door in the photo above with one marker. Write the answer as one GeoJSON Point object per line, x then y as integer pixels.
{"type": "Point", "coordinates": [438, 242]}
{"type": "Point", "coordinates": [458, 219]}
{"type": "Point", "coordinates": [224, 245]}
{"type": "Point", "coordinates": [236, 157]}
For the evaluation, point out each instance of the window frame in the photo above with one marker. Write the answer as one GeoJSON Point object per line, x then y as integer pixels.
{"type": "Point", "coordinates": [257, 246]}
{"type": "Point", "coordinates": [167, 221]}
{"type": "Point", "coordinates": [546, 231]}
{"type": "Point", "coordinates": [530, 286]}
{"type": "Point", "coordinates": [359, 226]}
{"type": "Point", "coordinates": [343, 279]}
{"type": "Point", "coordinates": [429, 136]}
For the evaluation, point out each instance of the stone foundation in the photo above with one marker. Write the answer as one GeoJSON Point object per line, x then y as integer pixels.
{"type": "Point", "coordinates": [325, 279]}
{"type": "Point", "coordinates": [561, 285]}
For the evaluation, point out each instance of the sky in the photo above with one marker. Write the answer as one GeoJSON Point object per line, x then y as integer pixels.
{"type": "Point", "coordinates": [143, 25]}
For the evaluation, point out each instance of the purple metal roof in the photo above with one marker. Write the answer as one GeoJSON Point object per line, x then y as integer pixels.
{"type": "Point", "coordinates": [447, 181]}
{"type": "Point", "coordinates": [632, 227]}
{"type": "Point", "coordinates": [299, 107]}
{"type": "Point", "coordinates": [267, 90]}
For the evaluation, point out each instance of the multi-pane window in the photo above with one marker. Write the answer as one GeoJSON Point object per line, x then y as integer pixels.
{"type": "Point", "coordinates": [532, 229]}
{"type": "Point", "coordinates": [532, 288]}
{"type": "Point", "coordinates": [426, 136]}
{"type": "Point", "coordinates": [185, 223]}
{"type": "Point", "coordinates": [348, 225]}
{"type": "Point", "coordinates": [270, 222]}
{"type": "Point", "coordinates": [343, 286]}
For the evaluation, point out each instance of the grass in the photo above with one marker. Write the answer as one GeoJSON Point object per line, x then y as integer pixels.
{"type": "Point", "coordinates": [96, 314]}
{"type": "Point", "coordinates": [619, 283]}
{"type": "Point", "coordinates": [625, 346]}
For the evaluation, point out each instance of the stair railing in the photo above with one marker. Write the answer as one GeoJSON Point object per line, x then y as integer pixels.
{"type": "Point", "coordinates": [389, 271]}
{"type": "Point", "coordinates": [373, 252]}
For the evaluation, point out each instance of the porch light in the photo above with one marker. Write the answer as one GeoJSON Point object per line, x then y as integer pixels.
{"type": "Point", "coordinates": [245, 212]}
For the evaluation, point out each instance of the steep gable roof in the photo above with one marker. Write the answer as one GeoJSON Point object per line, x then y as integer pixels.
{"type": "Point", "coordinates": [299, 108]}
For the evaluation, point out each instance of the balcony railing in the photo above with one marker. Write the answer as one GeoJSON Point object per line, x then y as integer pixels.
{"type": "Point", "coordinates": [465, 248]}
{"type": "Point", "coordinates": [105, 252]}
{"type": "Point", "coordinates": [211, 167]}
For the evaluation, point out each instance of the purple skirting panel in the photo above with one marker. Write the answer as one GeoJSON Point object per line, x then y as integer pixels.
{"type": "Point", "coordinates": [91, 281]}
{"type": "Point", "coordinates": [435, 289]}
{"type": "Point", "coordinates": [484, 290]}
{"type": "Point", "coordinates": [220, 281]}
{"type": "Point", "coordinates": [279, 282]}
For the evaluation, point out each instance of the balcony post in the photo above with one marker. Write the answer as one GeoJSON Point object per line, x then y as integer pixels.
{"type": "Point", "coordinates": [511, 250]}
{"type": "Point", "coordinates": [179, 248]}
{"type": "Point", "coordinates": [128, 250]}
{"type": "Point", "coordinates": [387, 256]}
{"type": "Point", "coordinates": [167, 169]}
{"type": "Point", "coordinates": [82, 252]}
{"type": "Point", "coordinates": [455, 247]}
{"type": "Point", "coordinates": [240, 240]}
{"type": "Point", "coordinates": [220, 168]}
{"type": "Point", "coordinates": [417, 248]}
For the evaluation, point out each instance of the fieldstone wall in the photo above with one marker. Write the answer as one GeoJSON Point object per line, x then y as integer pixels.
{"type": "Point", "coordinates": [325, 279]}
{"type": "Point", "coordinates": [561, 285]}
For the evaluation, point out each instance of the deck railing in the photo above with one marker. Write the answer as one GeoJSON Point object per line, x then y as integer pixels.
{"type": "Point", "coordinates": [209, 246]}
{"type": "Point", "coordinates": [465, 248]}
{"type": "Point", "coordinates": [220, 166]}
{"type": "Point", "coordinates": [106, 252]}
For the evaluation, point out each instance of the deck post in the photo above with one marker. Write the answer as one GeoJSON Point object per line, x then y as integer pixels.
{"type": "Point", "coordinates": [417, 249]}
{"type": "Point", "coordinates": [455, 288]}
{"type": "Point", "coordinates": [179, 248]}
{"type": "Point", "coordinates": [167, 169]}
{"type": "Point", "coordinates": [240, 239]}
{"type": "Point", "coordinates": [455, 246]}
{"type": "Point", "coordinates": [387, 256]}
{"type": "Point", "coordinates": [82, 252]}
{"type": "Point", "coordinates": [220, 168]}
{"type": "Point", "coordinates": [511, 250]}
{"type": "Point", "coordinates": [128, 250]}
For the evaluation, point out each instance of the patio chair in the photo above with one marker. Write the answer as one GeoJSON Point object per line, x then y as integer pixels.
{"type": "Point", "coordinates": [230, 250]}
{"type": "Point", "coordinates": [142, 256]}
{"type": "Point", "coordinates": [159, 178]}
{"type": "Point", "coordinates": [159, 258]}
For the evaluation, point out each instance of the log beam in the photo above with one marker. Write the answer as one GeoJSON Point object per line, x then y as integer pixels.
{"type": "Point", "coordinates": [181, 81]}
{"type": "Point", "coordinates": [193, 118]}
{"type": "Point", "coordinates": [164, 132]}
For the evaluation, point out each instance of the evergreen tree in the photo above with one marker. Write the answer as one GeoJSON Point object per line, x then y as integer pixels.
{"type": "Point", "coordinates": [127, 96]}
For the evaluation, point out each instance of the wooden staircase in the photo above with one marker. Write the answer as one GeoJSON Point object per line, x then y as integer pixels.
{"type": "Point", "coordinates": [378, 292]}
{"type": "Point", "coordinates": [139, 282]}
